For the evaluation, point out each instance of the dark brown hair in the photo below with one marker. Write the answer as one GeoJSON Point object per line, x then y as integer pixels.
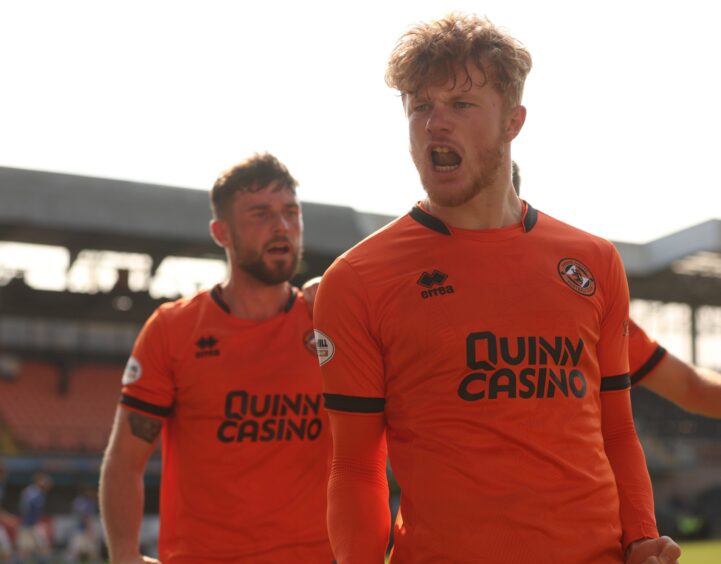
{"type": "Point", "coordinates": [250, 175]}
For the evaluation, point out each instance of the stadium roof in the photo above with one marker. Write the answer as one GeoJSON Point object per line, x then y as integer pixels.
{"type": "Point", "coordinates": [79, 213]}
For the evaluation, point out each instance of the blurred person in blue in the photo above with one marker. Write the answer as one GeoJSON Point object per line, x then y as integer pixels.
{"type": "Point", "coordinates": [33, 539]}
{"type": "Point", "coordinates": [85, 542]}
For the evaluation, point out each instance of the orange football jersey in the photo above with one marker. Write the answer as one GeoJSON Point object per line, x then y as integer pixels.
{"type": "Point", "coordinates": [245, 443]}
{"type": "Point", "coordinates": [488, 352]}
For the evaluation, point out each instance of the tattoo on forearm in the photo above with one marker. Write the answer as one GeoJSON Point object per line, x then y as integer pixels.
{"type": "Point", "coordinates": [145, 428]}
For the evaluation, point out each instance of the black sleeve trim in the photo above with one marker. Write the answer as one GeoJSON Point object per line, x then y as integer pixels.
{"type": "Point", "coordinates": [427, 220]}
{"type": "Point", "coordinates": [145, 406]}
{"type": "Point", "coordinates": [613, 383]}
{"type": "Point", "coordinates": [649, 365]}
{"type": "Point", "coordinates": [354, 404]}
{"type": "Point", "coordinates": [530, 219]}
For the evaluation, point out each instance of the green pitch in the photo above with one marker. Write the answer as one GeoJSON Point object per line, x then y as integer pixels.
{"type": "Point", "coordinates": [701, 552]}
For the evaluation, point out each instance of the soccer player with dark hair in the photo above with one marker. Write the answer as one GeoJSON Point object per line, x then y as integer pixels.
{"type": "Point", "coordinates": [231, 378]}
{"type": "Point", "coordinates": [482, 344]}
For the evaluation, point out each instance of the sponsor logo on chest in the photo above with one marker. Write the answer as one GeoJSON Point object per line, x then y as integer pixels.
{"type": "Point", "coordinates": [535, 367]}
{"type": "Point", "coordinates": [252, 417]}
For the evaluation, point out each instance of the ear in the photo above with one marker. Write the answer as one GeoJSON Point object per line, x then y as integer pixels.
{"type": "Point", "coordinates": [514, 122]}
{"type": "Point", "coordinates": [219, 232]}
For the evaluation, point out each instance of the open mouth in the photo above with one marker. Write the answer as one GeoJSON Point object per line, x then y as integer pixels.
{"type": "Point", "coordinates": [445, 159]}
{"type": "Point", "coordinates": [277, 249]}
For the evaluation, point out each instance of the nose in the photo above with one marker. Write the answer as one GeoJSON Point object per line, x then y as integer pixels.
{"type": "Point", "coordinates": [438, 120]}
{"type": "Point", "coordinates": [281, 223]}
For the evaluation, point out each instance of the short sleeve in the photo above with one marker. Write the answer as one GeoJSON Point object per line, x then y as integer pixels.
{"type": "Point", "coordinates": [348, 348]}
{"type": "Point", "coordinates": [613, 341]}
{"type": "Point", "coordinates": [644, 353]}
{"type": "Point", "coordinates": [148, 378]}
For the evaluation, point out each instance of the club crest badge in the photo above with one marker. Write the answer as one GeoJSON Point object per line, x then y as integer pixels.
{"type": "Point", "coordinates": [309, 342]}
{"type": "Point", "coordinates": [577, 276]}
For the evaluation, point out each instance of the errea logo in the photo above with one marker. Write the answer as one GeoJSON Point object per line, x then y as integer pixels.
{"type": "Point", "coordinates": [206, 347]}
{"type": "Point", "coordinates": [432, 279]}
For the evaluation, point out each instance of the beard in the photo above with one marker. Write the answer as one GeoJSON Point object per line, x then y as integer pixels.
{"type": "Point", "coordinates": [457, 195]}
{"type": "Point", "coordinates": [269, 273]}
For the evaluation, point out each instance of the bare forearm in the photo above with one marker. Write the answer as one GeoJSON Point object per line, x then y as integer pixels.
{"type": "Point", "coordinates": [694, 389]}
{"type": "Point", "coordinates": [122, 492]}
{"type": "Point", "coordinates": [122, 497]}
{"type": "Point", "coordinates": [704, 397]}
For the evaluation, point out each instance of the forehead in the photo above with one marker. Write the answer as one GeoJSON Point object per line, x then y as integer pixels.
{"type": "Point", "coordinates": [460, 79]}
{"type": "Point", "coordinates": [272, 195]}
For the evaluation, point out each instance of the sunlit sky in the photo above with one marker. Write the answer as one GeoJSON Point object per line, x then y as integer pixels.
{"type": "Point", "coordinates": [621, 139]}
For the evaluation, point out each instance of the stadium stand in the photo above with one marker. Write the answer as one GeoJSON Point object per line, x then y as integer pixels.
{"type": "Point", "coordinates": [45, 415]}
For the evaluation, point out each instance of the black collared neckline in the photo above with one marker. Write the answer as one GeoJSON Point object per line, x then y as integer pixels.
{"type": "Point", "coordinates": [529, 218]}
{"type": "Point", "coordinates": [217, 295]}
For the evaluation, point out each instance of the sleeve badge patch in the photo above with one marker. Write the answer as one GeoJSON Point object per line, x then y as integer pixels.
{"type": "Point", "coordinates": [132, 371]}
{"type": "Point", "coordinates": [324, 347]}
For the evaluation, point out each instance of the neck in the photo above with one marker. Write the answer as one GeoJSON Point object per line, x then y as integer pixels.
{"type": "Point", "coordinates": [249, 298]}
{"type": "Point", "coordinates": [492, 208]}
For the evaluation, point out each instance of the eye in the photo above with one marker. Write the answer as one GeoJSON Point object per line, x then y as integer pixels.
{"type": "Point", "coordinates": [459, 104]}
{"type": "Point", "coordinates": [421, 107]}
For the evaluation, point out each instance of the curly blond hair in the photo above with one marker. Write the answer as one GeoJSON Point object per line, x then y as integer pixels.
{"type": "Point", "coordinates": [434, 52]}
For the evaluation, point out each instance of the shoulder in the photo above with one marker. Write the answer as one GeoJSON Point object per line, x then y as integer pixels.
{"type": "Point", "coordinates": [178, 309]}
{"type": "Point", "coordinates": [301, 306]}
{"type": "Point", "coordinates": [380, 251]}
{"type": "Point", "coordinates": [556, 228]}
{"type": "Point", "coordinates": [576, 244]}
{"type": "Point", "coordinates": [381, 238]}
{"type": "Point", "coordinates": [172, 322]}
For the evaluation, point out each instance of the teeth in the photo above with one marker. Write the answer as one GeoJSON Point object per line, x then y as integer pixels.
{"type": "Point", "coordinates": [446, 168]}
{"type": "Point", "coordinates": [441, 150]}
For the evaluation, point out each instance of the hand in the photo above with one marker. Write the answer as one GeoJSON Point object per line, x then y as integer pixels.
{"type": "Point", "coordinates": [662, 550]}
{"type": "Point", "coordinates": [309, 289]}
